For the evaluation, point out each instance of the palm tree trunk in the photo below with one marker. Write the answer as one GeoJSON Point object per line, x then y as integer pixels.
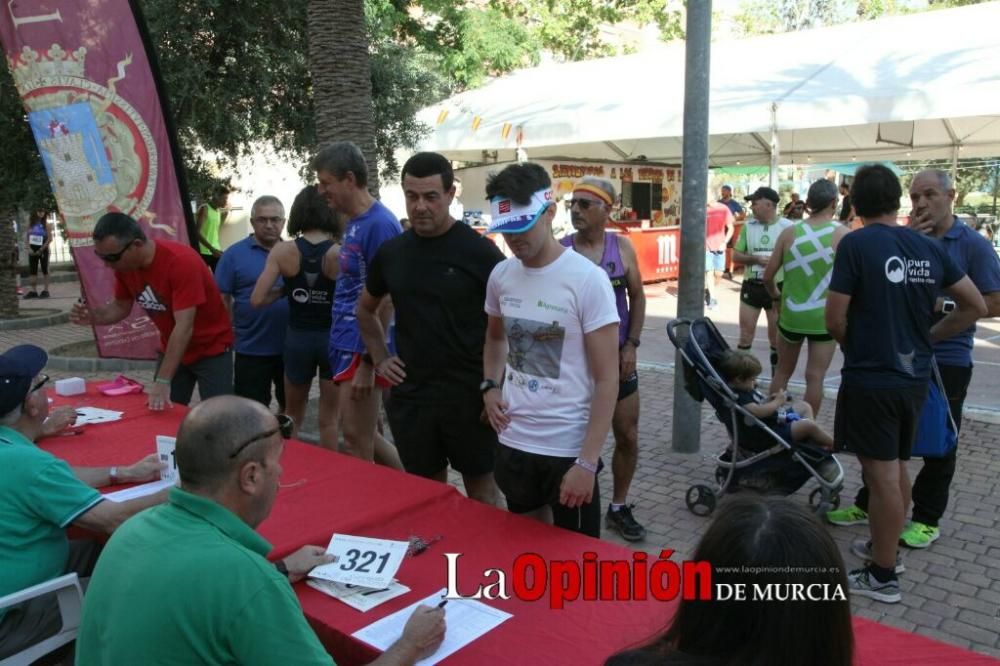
{"type": "Point", "coordinates": [341, 77]}
{"type": "Point", "coordinates": [8, 265]}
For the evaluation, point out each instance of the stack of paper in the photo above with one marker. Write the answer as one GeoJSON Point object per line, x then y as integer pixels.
{"type": "Point", "coordinates": [85, 415]}
{"type": "Point", "coordinates": [141, 490]}
{"type": "Point", "coordinates": [362, 561]}
{"type": "Point", "coordinates": [361, 598]}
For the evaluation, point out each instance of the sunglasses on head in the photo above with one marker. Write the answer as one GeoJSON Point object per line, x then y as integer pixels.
{"type": "Point", "coordinates": [41, 382]}
{"type": "Point", "coordinates": [285, 426]}
{"type": "Point", "coordinates": [583, 204]}
{"type": "Point", "coordinates": [115, 256]}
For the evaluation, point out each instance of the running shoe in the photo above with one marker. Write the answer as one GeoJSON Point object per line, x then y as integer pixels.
{"type": "Point", "coordinates": [919, 535]}
{"type": "Point", "coordinates": [863, 549]}
{"type": "Point", "coordinates": [624, 523]}
{"type": "Point", "coordinates": [863, 583]}
{"type": "Point", "coordinates": [852, 515]}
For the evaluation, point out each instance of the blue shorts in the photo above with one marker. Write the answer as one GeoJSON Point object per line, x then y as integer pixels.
{"type": "Point", "coordinates": [345, 363]}
{"type": "Point", "coordinates": [305, 353]}
{"type": "Point", "coordinates": [715, 261]}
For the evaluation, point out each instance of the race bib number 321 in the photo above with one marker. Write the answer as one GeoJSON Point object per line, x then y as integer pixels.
{"type": "Point", "coordinates": [362, 561]}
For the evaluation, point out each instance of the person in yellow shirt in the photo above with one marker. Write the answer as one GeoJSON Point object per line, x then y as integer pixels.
{"type": "Point", "coordinates": [211, 216]}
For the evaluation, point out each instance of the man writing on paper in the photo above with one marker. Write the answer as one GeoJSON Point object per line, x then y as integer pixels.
{"type": "Point", "coordinates": [188, 582]}
{"type": "Point", "coordinates": [179, 295]}
{"type": "Point", "coordinates": [41, 497]}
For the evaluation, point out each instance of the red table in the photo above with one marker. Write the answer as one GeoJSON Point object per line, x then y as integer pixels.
{"type": "Point", "coordinates": [328, 492]}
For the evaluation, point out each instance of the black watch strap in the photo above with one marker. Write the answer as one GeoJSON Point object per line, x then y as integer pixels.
{"type": "Point", "coordinates": [487, 385]}
{"type": "Point", "coordinates": [282, 569]}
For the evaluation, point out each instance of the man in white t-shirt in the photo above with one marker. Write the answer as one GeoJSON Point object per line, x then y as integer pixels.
{"type": "Point", "coordinates": [550, 359]}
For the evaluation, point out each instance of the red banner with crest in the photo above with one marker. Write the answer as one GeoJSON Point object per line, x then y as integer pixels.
{"type": "Point", "coordinates": [89, 87]}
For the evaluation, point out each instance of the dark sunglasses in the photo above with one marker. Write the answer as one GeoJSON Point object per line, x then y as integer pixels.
{"type": "Point", "coordinates": [40, 384]}
{"type": "Point", "coordinates": [285, 426]}
{"type": "Point", "coordinates": [115, 256]}
{"type": "Point", "coordinates": [584, 204]}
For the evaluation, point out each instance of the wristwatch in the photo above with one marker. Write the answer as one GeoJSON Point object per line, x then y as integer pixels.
{"type": "Point", "coordinates": [634, 341]}
{"type": "Point", "coordinates": [113, 475]}
{"type": "Point", "coordinates": [487, 385]}
{"type": "Point", "coordinates": [282, 569]}
{"type": "Point", "coordinates": [589, 466]}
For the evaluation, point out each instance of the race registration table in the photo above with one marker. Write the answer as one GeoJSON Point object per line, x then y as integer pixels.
{"type": "Point", "coordinates": [324, 493]}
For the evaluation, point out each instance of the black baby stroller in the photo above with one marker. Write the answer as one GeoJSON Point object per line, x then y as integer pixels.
{"type": "Point", "coordinates": [777, 467]}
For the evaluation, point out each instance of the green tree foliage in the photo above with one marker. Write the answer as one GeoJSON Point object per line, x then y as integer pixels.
{"type": "Point", "coordinates": [462, 42]}
{"type": "Point", "coordinates": [971, 175]}
{"type": "Point", "coordinates": [571, 29]}
{"type": "Point", "coordinates": [766, 17]}
{"type": "Point", "coordinates": [22, 185]}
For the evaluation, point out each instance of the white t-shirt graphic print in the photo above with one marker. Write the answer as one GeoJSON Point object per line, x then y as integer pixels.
{"type": "Point", "coordinates": [547, 381]}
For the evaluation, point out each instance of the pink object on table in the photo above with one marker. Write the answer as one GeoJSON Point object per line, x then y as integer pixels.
{"type": "Point", "coordinates": [122, 385]}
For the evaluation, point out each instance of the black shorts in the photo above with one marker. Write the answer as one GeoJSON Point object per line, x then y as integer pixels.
{"type": "Point", "coordinates": [530, 481]}
{"type": "Point", "coordinates": [306, 352]}
{"type": "Point", "coordinates": [754, 294]}
{"type": "Point", "coordinates": [795, 337]}
{"type": "Point", "coordinates": [430, 436]}
{"type": "Point", "coordinates": [35, 259]}
{"type": "Point", "coordinates": [628, 386]}
{"type": "Point", "coordinates": [878, 423]}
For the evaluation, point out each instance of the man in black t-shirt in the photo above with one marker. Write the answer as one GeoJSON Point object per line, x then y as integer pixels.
{"type": "Point", "coordinates": [880, 308]}
{"type": "Point", "coordinates": [436, 275]}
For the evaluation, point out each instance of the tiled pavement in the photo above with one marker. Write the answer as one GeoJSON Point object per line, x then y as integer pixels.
{"type": "Point", "coordinates": [951, 591]}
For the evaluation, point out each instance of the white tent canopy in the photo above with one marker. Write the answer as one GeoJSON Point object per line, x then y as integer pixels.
{"type": "Point", "coordinates": [921, 86]}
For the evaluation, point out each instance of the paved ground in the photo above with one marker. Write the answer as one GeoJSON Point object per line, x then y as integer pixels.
{"type": "Point", "coordinates": [951, 590]}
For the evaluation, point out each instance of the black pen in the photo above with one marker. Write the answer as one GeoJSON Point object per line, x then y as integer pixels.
{"type": "Point", "coordinates": [443, 602]}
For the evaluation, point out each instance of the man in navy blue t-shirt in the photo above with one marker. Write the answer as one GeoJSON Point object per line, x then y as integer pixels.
{"type": "Point", "coordinates": [932, 195]}
{"type": "Point", "coordinates": [880, 308]}
{"type": "Point", "coordinates": [259, 333]}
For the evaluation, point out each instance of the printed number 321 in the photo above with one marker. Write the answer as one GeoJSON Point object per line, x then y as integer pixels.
{"type": "Point", "coordinates": [360, 562]}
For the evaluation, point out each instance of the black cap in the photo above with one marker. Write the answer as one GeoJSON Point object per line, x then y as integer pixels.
{"type": "Point", "coordinates": [18, 368]}
{"type": "Point", "coordinates": [763, 193]}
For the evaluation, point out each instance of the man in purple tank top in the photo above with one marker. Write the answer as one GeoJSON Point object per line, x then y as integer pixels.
{"type": "Point", "coordinates": [590, 212]}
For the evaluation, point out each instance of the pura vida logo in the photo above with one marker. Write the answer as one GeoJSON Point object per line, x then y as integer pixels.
{"type": "Point", "coordinates": [899, 271]}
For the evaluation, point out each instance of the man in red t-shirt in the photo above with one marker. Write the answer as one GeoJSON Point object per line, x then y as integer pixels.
{"type": "Point", "coordinates": [718, 231]}
{"type": "Point", "coordinates": [176, 289]}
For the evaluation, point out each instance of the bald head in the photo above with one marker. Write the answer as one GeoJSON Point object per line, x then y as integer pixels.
{"type": "Point", "coordinates": [941, 178]}
{"type": "Point", "coordinates": [211, 432]}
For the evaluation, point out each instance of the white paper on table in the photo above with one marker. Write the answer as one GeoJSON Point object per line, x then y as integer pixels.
{"type": "Point", "coordinates": [467, 620]}
{"type": "Point", "coordinates": [362, 561]}
{"type": "Point", "coordinates": [360, 598]}
{"type": "Point", "coordinates": [139, 491]}
{"type": "Point", "coordinates": [85, 415]}
{"type": "Point", "coordinates": [165, 448]}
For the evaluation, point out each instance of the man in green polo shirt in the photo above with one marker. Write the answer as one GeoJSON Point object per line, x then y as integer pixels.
{"type": "Point", "coordinates": [188, 582]}
{"type": "Point", "coordinates": [41, 497]}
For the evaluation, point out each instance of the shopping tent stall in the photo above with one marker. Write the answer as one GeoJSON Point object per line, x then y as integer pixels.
{"type": "Point", "coordinates": [920, 86]}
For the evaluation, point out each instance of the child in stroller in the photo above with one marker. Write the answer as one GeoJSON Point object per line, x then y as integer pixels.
{"type": "Point", "coordinates": [761, 456]}
{"type": "Point", "coordinates": [791, 420]}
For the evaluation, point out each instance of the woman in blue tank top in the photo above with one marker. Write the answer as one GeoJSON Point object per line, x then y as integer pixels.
{"type": "Point", "coordinates": [39, 238]}
{"type": "Point", "coordinates": [308, 266]}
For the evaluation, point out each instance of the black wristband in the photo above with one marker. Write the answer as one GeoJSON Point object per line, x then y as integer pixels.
{"type": "Point", "coordinates": [367, 358]}
{"type": "Point", "coordinates": [282, 569]}
{"type": "Point", "coordinates": [633, 341]}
